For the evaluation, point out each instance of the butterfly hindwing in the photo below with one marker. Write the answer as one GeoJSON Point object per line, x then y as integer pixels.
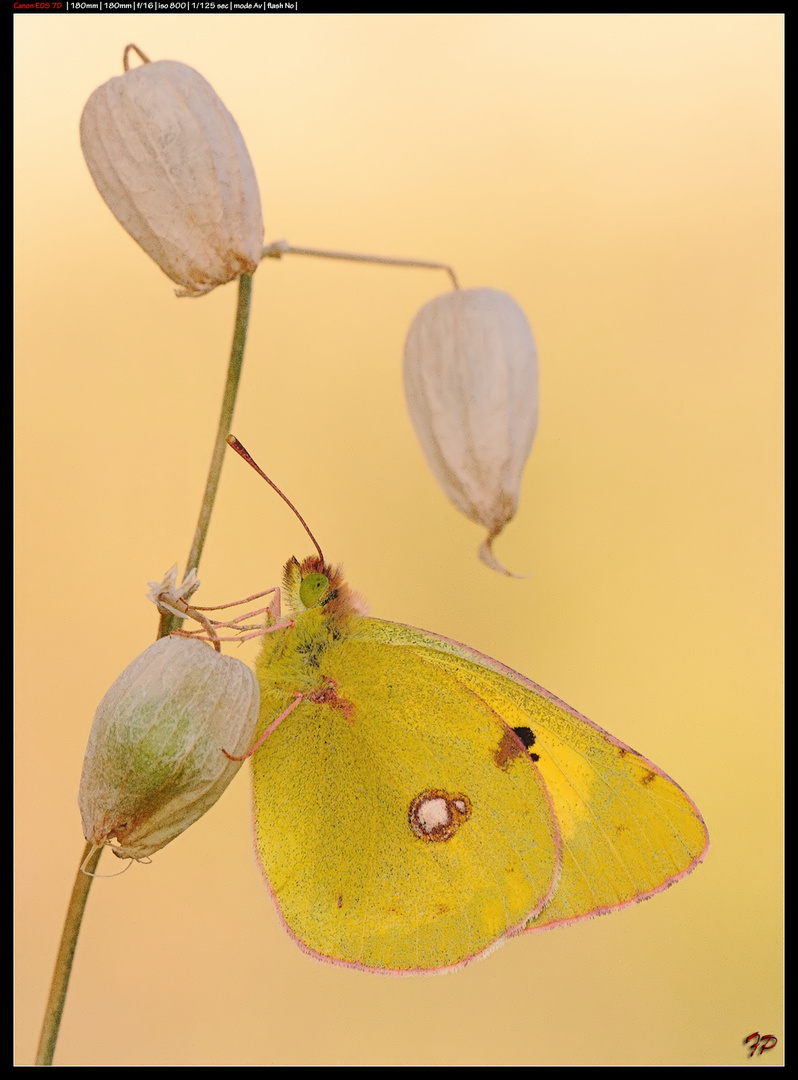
{"type": "Point", "coordinates": [401, 824]}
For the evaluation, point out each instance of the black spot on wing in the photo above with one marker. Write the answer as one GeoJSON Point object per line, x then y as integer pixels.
{"type": "Point", "coordinates": [527, 737]}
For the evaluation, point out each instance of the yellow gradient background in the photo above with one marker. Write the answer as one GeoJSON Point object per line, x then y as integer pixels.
{"type": "Point", "coordinates": [620, 176]}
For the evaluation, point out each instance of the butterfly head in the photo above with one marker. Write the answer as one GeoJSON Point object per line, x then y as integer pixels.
{"type": "Point", "coordinates": [315, 584]}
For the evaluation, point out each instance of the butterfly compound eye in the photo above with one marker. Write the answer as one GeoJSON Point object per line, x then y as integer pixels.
{"type": "Point", "coordinates": [313, 587]}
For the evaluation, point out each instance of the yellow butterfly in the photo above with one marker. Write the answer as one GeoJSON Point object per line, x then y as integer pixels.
{"type": "Point", "coordinates": [417, 803]}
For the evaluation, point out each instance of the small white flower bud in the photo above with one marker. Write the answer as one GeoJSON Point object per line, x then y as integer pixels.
{"type": "Point", "coordinates": [171, 164]}
{"type": "Point", "coordinates": [470, 372]}
{"type": "Point", "coordinates": [155, 761]}
{"type": "Point", "coordinates": [165, 594]}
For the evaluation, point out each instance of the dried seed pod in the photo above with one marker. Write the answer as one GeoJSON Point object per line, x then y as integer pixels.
{"type": "Point", "coordinates": [171, 164]}
{"type": "Point", "coordinates": [154, 762]}
{"type": "Point", "coordinates": [470, 372]}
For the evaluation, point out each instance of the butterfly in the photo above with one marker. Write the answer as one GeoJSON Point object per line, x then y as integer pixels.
{"type": "Point", "coordinates": [417, 803]}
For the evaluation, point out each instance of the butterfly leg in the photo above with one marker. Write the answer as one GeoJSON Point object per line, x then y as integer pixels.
{"type": "Point", "coordinates": [298, 697]}
{"type": "Point", "coordinates": [211, 626]}
{"type": "Point", "coordinates": [255, 632]}
{"type": "Point", "coordinates": [274, 606]}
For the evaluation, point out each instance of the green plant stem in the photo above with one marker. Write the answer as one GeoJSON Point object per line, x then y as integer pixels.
{"type": "Point", "coordinates": [66, 954]}
{"type": "Point", "coordinates": [169, 623]}
{"type": "Point", "coordinates": [83, 880]}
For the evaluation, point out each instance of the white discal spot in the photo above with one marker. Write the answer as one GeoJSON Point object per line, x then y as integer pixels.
{"type": "Point", "coordinates": [434, 813]}
{"type": "Point", "coordinates": [437, 815]}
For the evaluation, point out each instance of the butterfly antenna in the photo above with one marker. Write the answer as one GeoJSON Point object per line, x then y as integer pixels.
{"type": "Point", "coordinates": [244, 453]}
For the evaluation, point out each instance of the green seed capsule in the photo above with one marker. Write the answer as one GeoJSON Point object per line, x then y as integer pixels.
{"type": "Point", "coordinates": [154, 761]}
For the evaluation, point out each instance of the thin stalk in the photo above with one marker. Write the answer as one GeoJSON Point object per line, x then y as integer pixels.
{"type": "Point", "coordinates": [66, 954]}
{"type": "Point", "coordinates": [168, 622]}
{"type": "Point", "coordinates": [83, 880]}
{"type": "Point", "coordinates": [278, 248]}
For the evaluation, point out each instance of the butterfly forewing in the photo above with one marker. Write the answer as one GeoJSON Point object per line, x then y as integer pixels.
{"type": "Point", "coordinates": [627, 830]}
{"type": "Point", "coordinates": [401, 824]}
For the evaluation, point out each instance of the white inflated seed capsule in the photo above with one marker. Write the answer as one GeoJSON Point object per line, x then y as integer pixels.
{"type": "Point", "coordinates": [170, 162]}
{"type": "Point", "coordinates": [470, 371]}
